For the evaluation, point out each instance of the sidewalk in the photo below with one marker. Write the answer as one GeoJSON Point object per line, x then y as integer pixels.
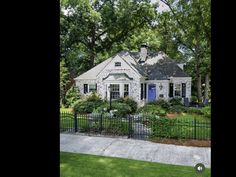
{"type": "Point", "coordinates": [136, 149]}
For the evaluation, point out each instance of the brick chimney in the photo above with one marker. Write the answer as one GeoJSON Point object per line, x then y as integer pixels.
{"type": "Point", "coordinates": [143, 53]}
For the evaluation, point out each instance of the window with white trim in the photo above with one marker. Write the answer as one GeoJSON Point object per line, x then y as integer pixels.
{"type": "Point", "coordinates": [115, 91]}
{"type": "Point", "coordinates": [126, 90]}
{"type": "Point", "coordinates": [177, 89]}
{"type": "Point", "coordinates": [92, 87]}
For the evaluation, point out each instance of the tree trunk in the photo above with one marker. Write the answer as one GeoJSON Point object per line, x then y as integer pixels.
{"type": "Point", "coordinates": [199, 86]}
{"type": "Point", "coordinates": [91, 59]}
{"type": "Point", "coordinates": [206, 86]}
{"type": "Point", "coordinates": [198, 66]}
{"type": "Point", "coordinates": [92, 47]}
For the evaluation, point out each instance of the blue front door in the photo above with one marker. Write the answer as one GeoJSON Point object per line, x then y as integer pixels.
{"type": "Point", "coordinates": [151, 92]}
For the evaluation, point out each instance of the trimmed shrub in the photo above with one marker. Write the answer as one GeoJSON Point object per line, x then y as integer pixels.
{"type": "Point", "coordinates": [175, 101]}
{"type": "Point", "coordinates": [162, 103]}
{"type": "Point", "coordinates": [84, 107]}
{"type": "Point", "coordinates": [103, 107]}
{"type": "Point", "coordinates": [194, 111]}
{"type": "Point", "coordinates": [206, 111]}
{"type": "Point", "coordinates": [193, 98]}
{"type": "Point", "coordinates": [133, 104]}
{"type": "Point", "coordinates": [89, 103]}
{"type": "Point", "coordinates": [193, 101]}
{"type": "Point", "coordinates": [177, 109]}
{"type": "Point", "coordinates": [123, 109]}
{"type": "Point", "coordinates": [129, 101]}
{"type": "Point", "coordinates": [93, 97]}
{"type": "Point", "coordinates": [152, 109]}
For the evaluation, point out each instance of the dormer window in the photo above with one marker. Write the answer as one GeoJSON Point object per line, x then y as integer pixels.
{"type": "Point", "coordinates": [117, 64]}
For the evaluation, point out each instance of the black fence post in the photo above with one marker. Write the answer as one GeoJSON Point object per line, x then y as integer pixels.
{"type": "Point", "coordinates": [195, 128]}
{"type": "Point", "coordinates": [100, 127]}
{"type": "Point", "coordinates": [75, 118]}
{"type": "Point", "coordinates": [130, 127]}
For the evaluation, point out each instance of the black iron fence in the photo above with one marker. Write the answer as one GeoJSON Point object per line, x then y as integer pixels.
{"type": "Point", "coordinates": [136, 126]}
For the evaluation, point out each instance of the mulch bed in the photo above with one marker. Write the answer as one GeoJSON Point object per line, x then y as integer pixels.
{"type": "Point", "coordinates": [197, 143]}
{"type": "Point", "coordinates": [171, 115]}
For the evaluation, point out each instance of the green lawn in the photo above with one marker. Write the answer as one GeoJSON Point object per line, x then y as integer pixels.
{"type": "Point", "coordinates": [185, 127]}
{"type": "Point", "coordinates": [192, 116]}
{"type": "Point", "coordinates": [81, 165]}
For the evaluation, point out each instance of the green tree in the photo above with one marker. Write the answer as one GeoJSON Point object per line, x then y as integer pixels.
{"type": "Point", "coordinates": [187, 25]}
{"type": "Point", "coordinates": [72, 95]}
{"type": "Point", "coordinates": [63, 80]}
{"type": "Point", "coordinates": [90, 28]}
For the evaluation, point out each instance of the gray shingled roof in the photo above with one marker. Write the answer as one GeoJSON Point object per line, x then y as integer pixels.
{"type": "Point", "coordinates": [158, 66]}
{"type": "Point", "coordinates": [162, 71]}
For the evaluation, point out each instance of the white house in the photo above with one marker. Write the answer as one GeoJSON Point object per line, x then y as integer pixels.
{"type": "Point", "coordinates": [143, 76]}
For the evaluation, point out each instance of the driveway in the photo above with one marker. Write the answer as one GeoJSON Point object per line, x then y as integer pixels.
{"type": "Point", "coordinates": [136, 149]}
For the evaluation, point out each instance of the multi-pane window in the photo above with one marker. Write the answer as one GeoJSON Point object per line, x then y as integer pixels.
{"type": "Point", "coordinates": [126, 90]}
{"type": "Point", "coordinates": [177, 89]}
{"type": "Point", "coordinates": [115, 91]}
{"type": "Point", "coordinates": [92, 87]}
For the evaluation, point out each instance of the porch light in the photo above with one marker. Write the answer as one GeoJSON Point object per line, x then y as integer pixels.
{"type": "Point", "coordinates": [161, 86]}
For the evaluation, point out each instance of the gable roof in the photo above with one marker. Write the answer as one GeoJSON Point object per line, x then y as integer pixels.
{"type": "Point", "coordinates": [157, 66]}
{"type": "Point", "coordinates": [125, 55]}
{"type": "Point", "coordinates": [92, 73]}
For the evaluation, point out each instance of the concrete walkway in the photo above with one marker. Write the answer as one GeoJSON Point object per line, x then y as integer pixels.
{"type": "Point", "coordinates": [135, 149]}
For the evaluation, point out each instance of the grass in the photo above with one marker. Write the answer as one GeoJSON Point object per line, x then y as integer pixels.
{"type": "Point", "coordinates": [81, 165]}
{"type": "Point", "coordinates": [186, 130]}
{"type": "Point", "coordinates": [182, 128]}
{"type": "Point", "coordinates": [203, 130]}
{"type": "Point", "coordinates": [187, 116]}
